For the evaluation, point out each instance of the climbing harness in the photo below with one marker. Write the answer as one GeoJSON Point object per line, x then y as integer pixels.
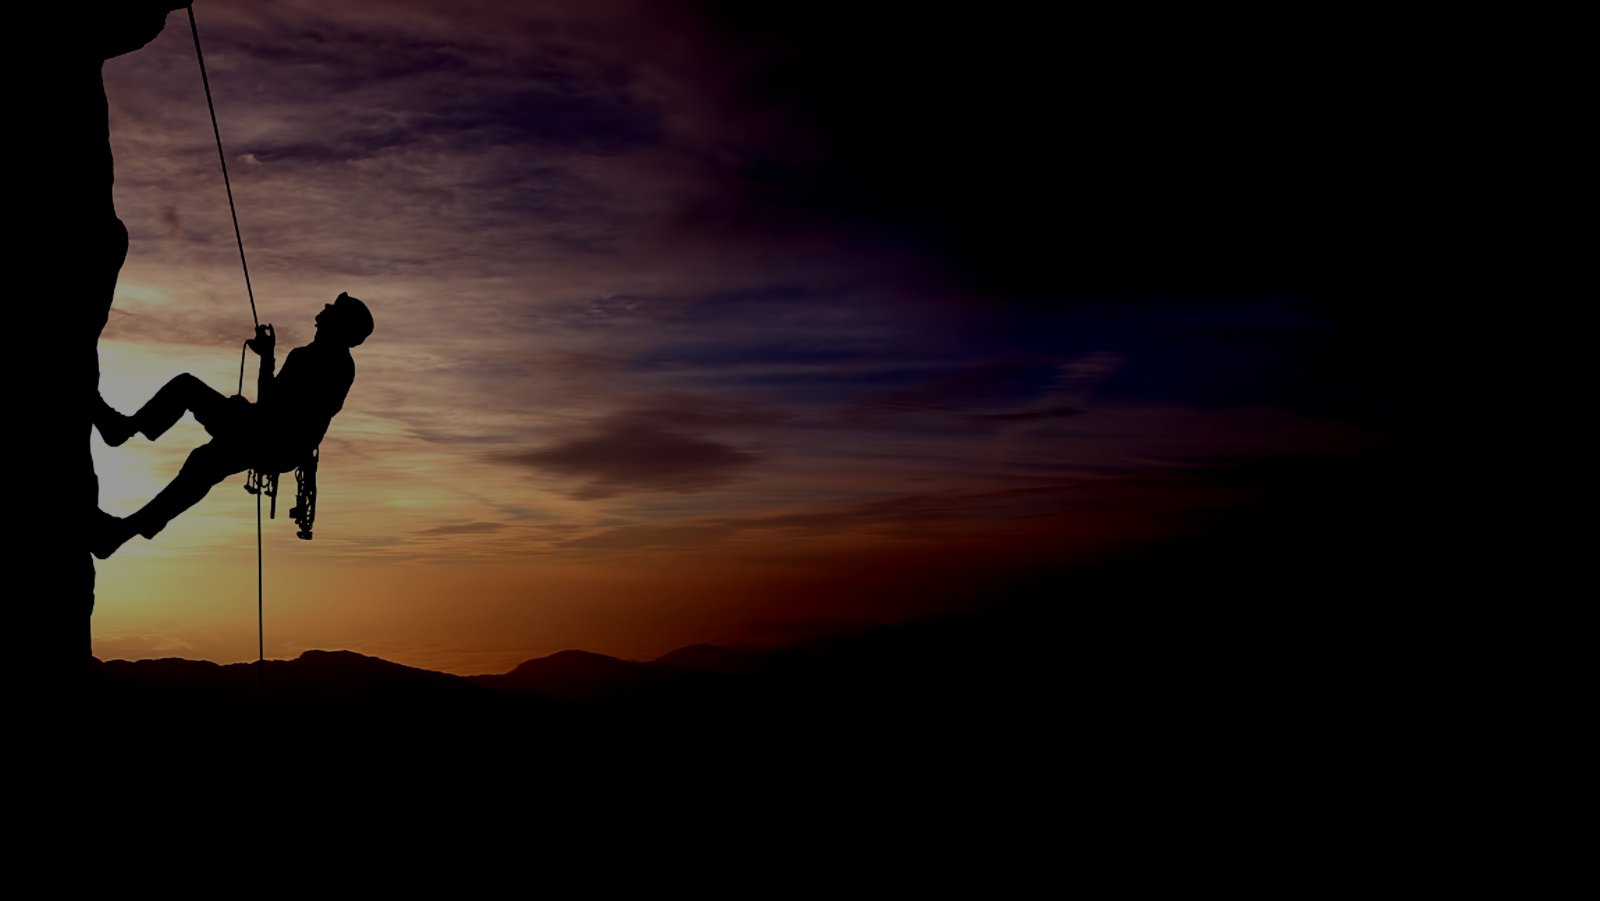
{"type": "Point", "coordinates": [265, 482]}
{"type": "Point", "coordinates": [304, 511]}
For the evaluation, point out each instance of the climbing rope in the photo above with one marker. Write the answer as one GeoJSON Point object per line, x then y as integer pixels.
{"type": "Point", "coordinates": [256, 484]}
{"type": "Point", "coordinates": [194, 29]}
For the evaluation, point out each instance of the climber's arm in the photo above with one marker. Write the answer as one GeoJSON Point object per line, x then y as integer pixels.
{"type": "Point", "coordinates": [264, 343]}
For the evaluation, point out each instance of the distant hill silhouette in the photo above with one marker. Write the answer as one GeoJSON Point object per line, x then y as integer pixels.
{"type": "Point", "coordinates": [575, 676]}
{"type": "Point", "coordinates": [315, 677]}
{"type": "Point", "coordinates": [700, 677]}
{"type": "Point", "coordinates": [713, 658]}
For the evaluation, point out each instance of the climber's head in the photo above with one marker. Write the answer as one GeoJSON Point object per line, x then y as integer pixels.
{"type": "Point", "coordinates": [346, 320]}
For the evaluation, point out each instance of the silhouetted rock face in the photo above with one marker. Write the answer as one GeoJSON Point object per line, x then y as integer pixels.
{"type": "Point", "coordinates": [71, 240]}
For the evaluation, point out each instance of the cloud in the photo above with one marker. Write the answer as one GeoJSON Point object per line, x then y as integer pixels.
{"type": "Point", "coordinates": [684, 411]}
{"type": "Point", "coordinates": [171, 223]}
{"type": "Point", "coordinates": [637, 451]}
{"type": "Point", "coordinates": [209, 327]}
{"type": "Point", "coordinates": [1028, 415]}
{"type": "Point", "coordinates": [630, 538]}
{"type": "Point", "coordinates": [463, 528]}
{"type": "Point", "coordinates": [1020, 389]}
{"type": "Point", "coordinates": [904, 516]}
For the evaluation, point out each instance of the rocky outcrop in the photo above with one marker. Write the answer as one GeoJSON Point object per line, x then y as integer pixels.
{"type": "Point", "coordinates": [72, 248]}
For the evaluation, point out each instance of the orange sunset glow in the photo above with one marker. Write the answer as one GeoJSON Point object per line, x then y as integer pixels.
{"type": "Point", "coordinates": [692, 327]}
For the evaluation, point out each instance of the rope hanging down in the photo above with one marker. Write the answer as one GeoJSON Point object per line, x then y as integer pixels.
{"type": "Point", "coordinates": [194, 29]}
{"type": "Point", "coordinates": [254, 485]}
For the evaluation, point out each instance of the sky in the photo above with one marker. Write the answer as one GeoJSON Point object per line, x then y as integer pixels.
{"type": "Point", "coordinates": [703, 322]}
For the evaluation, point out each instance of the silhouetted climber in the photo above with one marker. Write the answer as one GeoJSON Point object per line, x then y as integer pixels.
{"type": "Point", "coordinates": [276, 434]}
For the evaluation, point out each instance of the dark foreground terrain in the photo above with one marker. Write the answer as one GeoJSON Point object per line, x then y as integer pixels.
{"type": "Point", "coordinates": [1265, 684]}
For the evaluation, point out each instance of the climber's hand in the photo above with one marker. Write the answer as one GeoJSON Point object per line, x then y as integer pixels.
{"type": "Point", "coordinates": [265, 340]}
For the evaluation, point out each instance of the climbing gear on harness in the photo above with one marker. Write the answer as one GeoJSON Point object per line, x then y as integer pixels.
{"type": "Point", "coordinates": [265, 483]}
{"type": "Point", "coordinates": [304, 511]}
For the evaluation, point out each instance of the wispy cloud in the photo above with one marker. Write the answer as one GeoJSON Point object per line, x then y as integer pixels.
{"type": "Point", "coordinates": [464, 528]}
{"type": "Point", "coordinates": [636, 451]}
